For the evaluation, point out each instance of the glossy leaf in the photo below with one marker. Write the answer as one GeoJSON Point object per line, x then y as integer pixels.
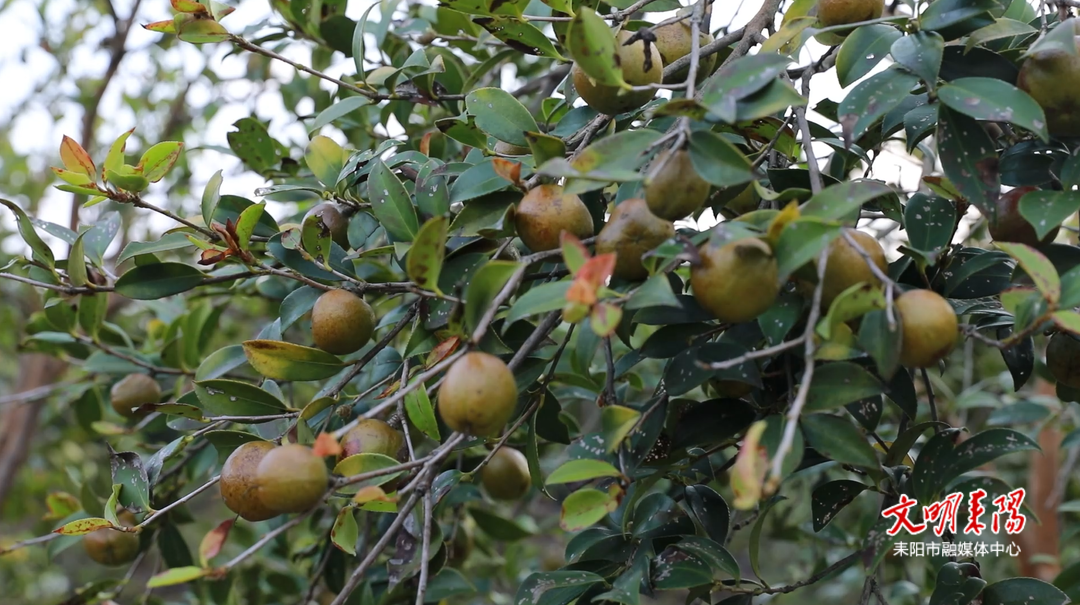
{"type": "Point", "coordinates": [154, 281]}
{"type": "Point", "coordinates": [424, 262]}
{"type": "Point", "coordinates": [574, 471]}
{"type": "Point", "coordinates": [592, 46]}
{"type": "Point", "coordinates": [862, 50]}
{"type": "Point", "coordinates": [500, 115]}
{"type": "Point", "coordinates": [1047, 210]}
{"type": "Point", "coordinates": [279, 360]}
{"type": "Point", "coordinates": [391, 204]}
{"type": "Point", "coordinates": [992, 100]}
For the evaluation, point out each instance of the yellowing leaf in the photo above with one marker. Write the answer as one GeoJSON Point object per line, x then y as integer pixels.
{"type": "Point", "coordinates": [279, 360]}
{"type": "Point", "coordinates": [81, 527]}
{"type": "Point", "coordinates": [176, 575]}
{"type": "Point", "coordinates": [76, 159]}
{"type": "Point", "coordinates": [748, 474]}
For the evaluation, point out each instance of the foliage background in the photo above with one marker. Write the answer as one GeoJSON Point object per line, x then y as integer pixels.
{"type": "Point", "coordinates": [54, 65]}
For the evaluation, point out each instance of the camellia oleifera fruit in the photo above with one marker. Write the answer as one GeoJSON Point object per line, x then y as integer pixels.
{"type": "Point", "coordinates": [1063, 359]}
{"type": "Point", "coordinates": [612, 100]}
{"type": "Point", "coordinates": [291, 479]}
{"type": "Point", "coordinates": [132, 391]}
{"type": "Point", "coordinates": [1008, 225]}
{"type": "Point", "coordinates": [843, 12]}
{"type": "Point", "coordinates": [545, 212]}
{"type": "Point", "coordinates": [846, 266]}
{"type": "Point", "coordinates": [673, 189]}
{"type": "Point", "coordinates": [341, 322]}
{"type": "Point", "coordinates": [674, 41]}
{"type": "Point", "coordinates": [506, 476]}
{"type": "Point", "coordinates": [237, 483]}
{"type": "Point", "coordinates": [1048, 75]}
{"type": "Point", "coordinates": [334, 220]}
{"type": "Point", "coordinates": [478, 395]}
{"type": "Point", "coordinates": [372, 436]}
{"type": "Point", "coordinates": [113, 547]}
{"type": "Point", "coordinates": [929, 328]}
{"type": "Point", "coordinates": [631, 231]}
{"type": "Point", "coordinates": [736, 281]}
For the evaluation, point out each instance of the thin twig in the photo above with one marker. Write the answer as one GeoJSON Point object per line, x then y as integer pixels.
{"type": "Point", "coordinates": [766, 352]}
{"type": "Point", "coordinates": [804, 385]}
{"type": "Point", "coordinates": [267, 538]}
{"type": "Point", "coordinates": [425, 548]}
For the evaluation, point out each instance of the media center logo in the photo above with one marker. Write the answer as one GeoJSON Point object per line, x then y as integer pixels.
{"type": "Point", "coordinates": [944, 515]}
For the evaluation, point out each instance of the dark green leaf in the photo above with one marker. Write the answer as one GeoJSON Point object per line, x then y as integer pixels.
{"type": "Point", "coordinates": [158, 280]}
{"type": "Point", "coordinates": [839, 440]}
{"type": "Point", "coordinates": [391, 204]}
{"type": "Point", "coordinates": [994, 101]}
{"type": "Point", "coordinates": [862, 50]}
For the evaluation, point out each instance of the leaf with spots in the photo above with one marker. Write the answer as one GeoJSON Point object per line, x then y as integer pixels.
{"type": "Point", "coordinates": [159, 160]}
{"type": "Point", "coordinates": [830, 498]}
{"type": "Point", "coordinates": [872, 99]}
{"type": "Point", "coordinates": [1023, 591]}
{"type": "Point", "coordinates": [588, 506]}
{"type": "Point", "coordinates": [862, 50]}
{"type": "Point", "coordinates": [253, 145]}
{"type": "Point", "coordinates": [710, 511]}
{"type": "Point", "coordinates": [1038, 267]}
{"type": "Point", "coordinates": [424, 263]}
{"type": "Point", "coordinates": [738, 80]}
{"type": "Point", "coordinates": [838, 439]}
{"type": "Point", "coordinates": [993, 100]}
{"type": "Point", "coordinates": [345, 531]}
{"type": "Point", "coordinates": [391, 203]}
{"type": "Point", "coordinates": [1047, 210]}
{"type": "Point", "coordinates": [520, 35]}
{"type": "Point", "coordinates": [128, 471]}
{"type": "Point", "coordinates": [930, 222]}
{"type": "Point", "coordinates": [970, 159]}
{"type": "Point", "coordinates": [957, 583]}
{"type": "Point", "coordinates": [842, 202]}
{"type": "Point", "coordinates": [921, 52]}
{"type": "Point", "coordinates": [540, 587]}
{"type": "Point", "coordinates": [81, 527]}
{"type": "Point", "coordinates": [840, 383]}
{"type": "Point", "coordinates": [592, 46]}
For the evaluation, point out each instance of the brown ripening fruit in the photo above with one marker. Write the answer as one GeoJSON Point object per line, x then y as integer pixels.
{"type": "Point", "coordinates": [478, 395]}
{"type": "Point", "coordinates": [674, 42]}
{"type": "Point", "coordinates": [929, 328]}
{"type": "Point", "coordinates": [132, 391]}
{"type": "Point", "coordinates": [1063, 359]}
{"type": "Point", "coordinates": [112, 547]}
{"type": "Point", "coordinates": [1009, 226]}
{"type": "Point", "coordinates": [291, 479]}
{"type": "Point", "coordinates": [1050, 75]}
{"type": "Point", "coordinates": [545, 212]}
{"type": "Point", "coordinates": [334, 220]}
{"type": "Point", "coordinates": [612, 100]}
{"type": "Point", "coordinates": [737, 281]}
{"type": "Point", "coordinates": [372, 436]}
{"type": "Point", "coordinates": [506, 476]}
{"type": "Point", "coordinates": [846, 267]}
{"type": "Point", "coordinates": [631, 231]}
{"type": "Point", "coordinates": [842, 12]}
{"type": "Point", "coordinates": [673, 190]}
{"type": "Point", "coordinates": [341, 322]}
{"type": "Point", "coordinates": [237, 481]}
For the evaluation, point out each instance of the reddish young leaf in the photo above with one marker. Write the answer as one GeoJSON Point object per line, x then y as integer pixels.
{"type": "Point", "coordinates": [389, 390]}
{"type": "Point", "coordinates": [76, 159]}
{"type": "Point", "coordinates": [425, 143]}
{"type": "Point", "coordinates": [326, 445]}
{"type": "Point", "coordinates": [508, 170]}
{"type": "Point", "coordinates": [441, 350]}
{"type": "Point", "coordinates": [213, 541]}
{"type": "Point", "coordinates": [590, 277]}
